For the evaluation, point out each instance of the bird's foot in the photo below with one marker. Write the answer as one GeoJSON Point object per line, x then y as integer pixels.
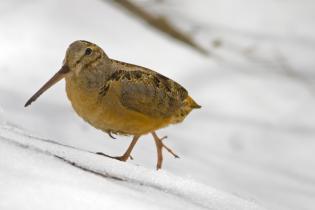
{"type": "Point", "coordinates": [159, 146]}
{"type": "Point", "coordinates": [120, 158]}
{"type": "Point", "coordinates": [103, 154]}
{"type": "Point", "coordinates": [167, 148]}
{"type": "Point", "coordinates": [123, 158]}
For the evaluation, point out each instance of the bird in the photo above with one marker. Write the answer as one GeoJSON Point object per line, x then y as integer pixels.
{"type": "Point", "coordinates": [120, 98]}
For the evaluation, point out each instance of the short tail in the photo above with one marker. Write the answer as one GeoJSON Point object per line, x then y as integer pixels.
{"type": "Point", "coordinates": [188, 105]}
{"type": "Point", "coordinates": [193, 104]}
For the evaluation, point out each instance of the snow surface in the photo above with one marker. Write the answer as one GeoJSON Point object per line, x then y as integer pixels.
{"type": "Point", "coordinates": [101, 182]}
{"type": "Point", "coordinates": [254, 136]}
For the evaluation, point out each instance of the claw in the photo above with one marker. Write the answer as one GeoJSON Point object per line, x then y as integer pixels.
{"type": "Point", "coordinates": [103, 154]}
{"type": "Point", "coordinates": [170, 151]}
{"type": "Point", "coordinates": [164, 137]}
{"type": "Point", "coordinates": [110, 135]}
{"type": "Point", "coordinates": [121, 158]}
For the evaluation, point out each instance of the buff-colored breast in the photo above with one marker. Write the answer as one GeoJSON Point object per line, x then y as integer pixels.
{"type": "Point", "coordinates": [107, 113]}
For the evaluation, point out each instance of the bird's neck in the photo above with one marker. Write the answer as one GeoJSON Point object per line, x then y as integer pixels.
{"type": "Point", "coordinates": [90, 79]}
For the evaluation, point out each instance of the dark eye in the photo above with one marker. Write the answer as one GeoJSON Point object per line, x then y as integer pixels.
{"type": "Point", "coordinates": [88, 51]}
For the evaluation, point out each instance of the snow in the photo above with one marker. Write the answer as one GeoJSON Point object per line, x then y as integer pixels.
{"type": "Point", "coordinates": [253, 137]}
{"type": "Point", "coordinates": [101, 182]}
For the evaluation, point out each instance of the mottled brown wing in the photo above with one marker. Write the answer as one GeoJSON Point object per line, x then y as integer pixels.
{"type": "Point", "coordinates": [150, 93]}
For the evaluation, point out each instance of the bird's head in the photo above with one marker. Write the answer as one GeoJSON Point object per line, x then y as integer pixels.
{"type": "Point", "coordinates": [79, 56]}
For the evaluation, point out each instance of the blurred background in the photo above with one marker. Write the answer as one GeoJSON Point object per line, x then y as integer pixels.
{"type": "Point", "coordinates": [250, 64]}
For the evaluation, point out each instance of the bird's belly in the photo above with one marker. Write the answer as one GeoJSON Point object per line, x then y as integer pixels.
{"type": "Point", "coordinates": [108, 114]}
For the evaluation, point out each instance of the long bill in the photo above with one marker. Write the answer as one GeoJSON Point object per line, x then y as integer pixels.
{"type": "Point", "coordinates": [56, 78]}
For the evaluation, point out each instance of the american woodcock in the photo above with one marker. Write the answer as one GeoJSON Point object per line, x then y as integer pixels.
{"type": "Point", "coordinates": [118, 97]}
